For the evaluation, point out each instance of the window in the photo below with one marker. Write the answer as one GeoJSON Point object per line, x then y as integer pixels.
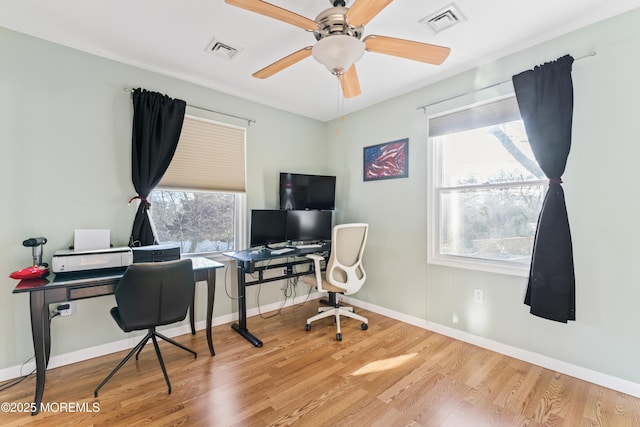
{"type": "Point", "coordinates": [486, 189]}
{"type": "Point", "coordinates": [199, 221]}
{"type": "Point", "coordinates": [200, 202]}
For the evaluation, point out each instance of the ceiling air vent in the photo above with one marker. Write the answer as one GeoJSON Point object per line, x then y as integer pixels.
{"type": "Point", "coordinates": [224, 50]}
{"type": "Point", "coordinates": [443, 19]}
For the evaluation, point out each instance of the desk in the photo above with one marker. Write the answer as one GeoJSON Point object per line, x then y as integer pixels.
{"type": "Point", "coordinates": [43, 292]}
{"type": "Point", "coordinates": [247, 261]}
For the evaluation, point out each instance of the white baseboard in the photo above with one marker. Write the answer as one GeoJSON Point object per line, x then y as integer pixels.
{"type": "Point", "coordinates": [579, 372]}
{"type": "Point", "coordinates": [128, 343]}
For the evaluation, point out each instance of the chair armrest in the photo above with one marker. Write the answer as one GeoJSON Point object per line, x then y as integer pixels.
{"type": "Point", "coordinates": [315, 257]}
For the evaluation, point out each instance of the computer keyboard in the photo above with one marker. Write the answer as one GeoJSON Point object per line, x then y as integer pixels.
{"type": "Point", "coordinates": [314, 246]}
{"type": "Point", "coordinates": [281, 251]}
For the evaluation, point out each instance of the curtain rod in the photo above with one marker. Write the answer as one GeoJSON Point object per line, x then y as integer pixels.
{"type": "Point", "coordinates": [424, 107]}
{"type": "Point", "coordinates": [249, 121]}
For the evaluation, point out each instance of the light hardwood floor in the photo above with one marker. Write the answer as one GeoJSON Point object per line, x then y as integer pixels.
{"type": "Point", "coordinates": [393, 374]}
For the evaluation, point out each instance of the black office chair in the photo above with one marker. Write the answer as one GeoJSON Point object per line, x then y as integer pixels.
{"type": "Point", "coordinates": [150, 295]}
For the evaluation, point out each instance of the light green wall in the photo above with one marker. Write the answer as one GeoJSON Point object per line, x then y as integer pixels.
{"type": "Point", "coordinates": [66, 113]}
{"type": "Point", "coordinates": [65, 139]}
{"type": "Point", "coordinates": [602, 201]}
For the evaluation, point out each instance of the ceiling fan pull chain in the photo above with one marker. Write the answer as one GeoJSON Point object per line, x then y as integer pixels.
{"type": "Point", "coordinates": [339, 105]}
{"type": "Point", "coordinates": [342, 105]}
{"type": "Point", "coordinates": [338, 97]}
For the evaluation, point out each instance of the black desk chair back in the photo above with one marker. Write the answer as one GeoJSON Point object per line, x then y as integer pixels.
{"type": "Point", "coordinates": [151, 295]}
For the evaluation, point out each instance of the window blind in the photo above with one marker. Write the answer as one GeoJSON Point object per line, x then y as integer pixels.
{"type": "Point", "coordinates": [491, 113]}
{"type": "Point", "coordinates": [210, 156]}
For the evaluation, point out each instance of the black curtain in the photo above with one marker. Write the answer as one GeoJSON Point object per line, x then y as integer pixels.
{"type": "Point", "coordinates": [545, 100]}
{"type": "Point", "coordinates": [157, 123]}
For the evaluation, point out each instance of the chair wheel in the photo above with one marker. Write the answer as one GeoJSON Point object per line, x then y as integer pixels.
{"type": "Point", "coordinates": [338, 337]}
{"type": "Point", "coordinates": [307, 327]}
{"type": "Point", "coordinates": [364, 326]}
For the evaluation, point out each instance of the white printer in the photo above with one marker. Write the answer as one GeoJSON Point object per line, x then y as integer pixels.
{"type": "Point", "coordinates": [64, 261]}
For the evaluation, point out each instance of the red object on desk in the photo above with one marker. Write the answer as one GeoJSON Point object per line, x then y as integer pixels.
{"type": "Point", "coordinates": [30, 272]}
{"type": "Point", "coordinates": [31, 284]}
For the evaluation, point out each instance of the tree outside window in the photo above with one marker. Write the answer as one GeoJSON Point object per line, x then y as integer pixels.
{"type": "Point", "coordinates": [488, 192]}
{"type": "Point", "coordinates": [200, 222]}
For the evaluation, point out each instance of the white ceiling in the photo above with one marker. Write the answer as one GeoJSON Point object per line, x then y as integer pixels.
{"type": "Point", "coordinates": [171, 36]}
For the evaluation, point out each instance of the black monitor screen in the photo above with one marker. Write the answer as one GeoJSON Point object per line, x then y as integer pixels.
{"type": "Point", "coordinates": [268, 226]}
{"type": "Point", "coordinates": [299, 191]}
{"type": "Point", "coordinates": [308, 225]}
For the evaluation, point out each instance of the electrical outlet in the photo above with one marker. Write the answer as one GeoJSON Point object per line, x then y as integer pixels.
{"type": "Point", "coordinates": [478, 296]}
{"type": "Point", "coordinates": [65, 308]}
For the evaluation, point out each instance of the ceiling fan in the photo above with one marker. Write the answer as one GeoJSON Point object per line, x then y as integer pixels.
{"type": "Point", "coordinates": [338, 31]}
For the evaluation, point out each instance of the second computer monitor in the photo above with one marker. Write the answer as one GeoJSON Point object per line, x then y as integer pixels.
{"type": "Point", "coordinates": [267, 226]}
{"type": "Point", "coordinates": [308, 226]}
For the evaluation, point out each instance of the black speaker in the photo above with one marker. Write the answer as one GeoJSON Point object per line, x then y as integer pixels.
{"type": "Point", "coordinates": [156, 253]}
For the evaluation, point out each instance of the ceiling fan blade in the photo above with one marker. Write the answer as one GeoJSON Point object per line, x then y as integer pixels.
{"type": "Point", "coordinates": [275, 12]}
{"type": "Point", "coordinates": [424, 52]}
{"type": "Point", "coordinates": [283, 63]}
{"type": "Point", "coordinates": [364, 11]}
{"type": "Point", "coordinates": [349, 82]}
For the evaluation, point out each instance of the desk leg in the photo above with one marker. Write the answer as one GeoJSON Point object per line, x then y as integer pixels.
{"type": "Point", "coordinates": [192, 314]}
{"type": "Point", "coordinates": [47, 334]}
{"type": "Point", "coordinates": [40, 331]}
{"type": "Point", "coordinates": [211, 295]}
{"type": "Point", "coordinates": [241, 326]}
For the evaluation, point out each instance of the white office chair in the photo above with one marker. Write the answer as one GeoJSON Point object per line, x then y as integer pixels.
{"type": "Point", "coordinates": [344, 273]}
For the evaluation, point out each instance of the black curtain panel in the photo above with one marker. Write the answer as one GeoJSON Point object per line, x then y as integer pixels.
{"type": "Point", "coordinates": [545, 100]}
{"type": "Point", "coordinates": [157, 123]}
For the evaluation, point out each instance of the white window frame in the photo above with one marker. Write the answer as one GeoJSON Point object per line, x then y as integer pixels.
{"type": "Point", "coordinates": [434, 211]}
{"type": "Point", "coordinates": [240, 205]}
{"type": "Point", "coordinates": [240, 224]}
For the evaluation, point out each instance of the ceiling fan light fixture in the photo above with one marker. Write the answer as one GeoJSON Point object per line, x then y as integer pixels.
{"type": "Point", "coordinates": [338, 52]}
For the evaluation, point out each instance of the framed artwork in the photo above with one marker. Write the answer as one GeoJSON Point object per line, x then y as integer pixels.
{"type": "Point", "coordinates": [386, 161]}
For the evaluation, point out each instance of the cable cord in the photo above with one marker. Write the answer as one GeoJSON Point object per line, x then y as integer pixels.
{"type": "Point", "coordinates": [15, 381]}
{"type": "Point", "coordinates": [226, 290]}
{"type": "Point", "coordinates": [289, 290]}
{"type": "Point", "coordinates": [277, 313]}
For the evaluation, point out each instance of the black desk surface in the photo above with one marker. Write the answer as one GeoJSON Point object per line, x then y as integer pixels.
{"type": "Point", "coordinates": [255, 255]}
{"type": "Point", "coordinates": [109, 275]}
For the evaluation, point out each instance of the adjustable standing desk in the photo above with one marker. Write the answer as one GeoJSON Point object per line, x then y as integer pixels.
{"type": "Point", "coordinates": [251, 262]}
{"type": "Point", "coordinates": [43, 292]}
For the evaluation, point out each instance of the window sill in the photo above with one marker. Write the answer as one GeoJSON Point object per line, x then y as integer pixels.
{"type": "Point", "coordinates": [214, 256]}
{"type": "Point", "coordinates": [498, 267]}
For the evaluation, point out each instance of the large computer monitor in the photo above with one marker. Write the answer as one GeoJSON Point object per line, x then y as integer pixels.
{"type": "Point", "coordinates": [303, 191]}
{"type": "Point", "coordinates": [267, 227]}
{"type": "Point", "coordinates": [308, 226]}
